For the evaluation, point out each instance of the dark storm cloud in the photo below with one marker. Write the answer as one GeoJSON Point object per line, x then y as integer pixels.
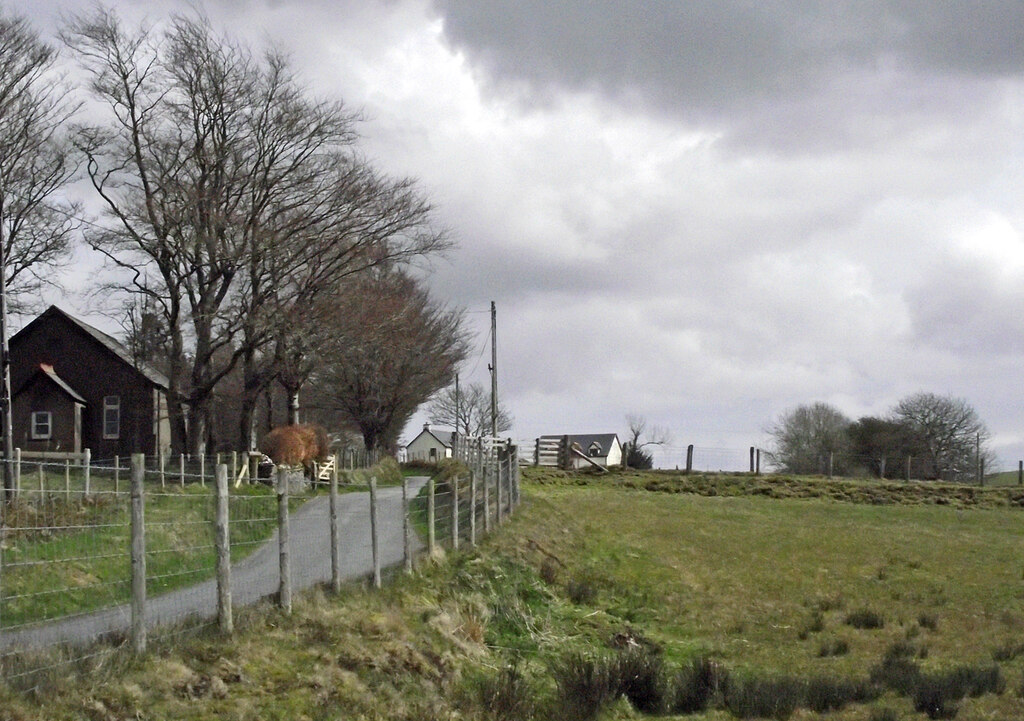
{"type": "Point", "coordinates": [759, 68]}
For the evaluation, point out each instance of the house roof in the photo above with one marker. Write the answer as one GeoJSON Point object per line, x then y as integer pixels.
{"type": "Point", "coordinates": [47, 372]}
{"type": "Point", "coordinates": [432, 434]}
{"type": "Point", "coordinates": [109, 342]}
{"type": "Point", "coordinates": [585, 440]}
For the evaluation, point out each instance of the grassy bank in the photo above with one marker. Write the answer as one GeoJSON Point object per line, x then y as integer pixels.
{"type": "Point", "coordinates": [612, 599]}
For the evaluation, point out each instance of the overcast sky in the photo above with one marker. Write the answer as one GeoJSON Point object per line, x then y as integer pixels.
{"type": "Point", "coordinates": [702, 212]}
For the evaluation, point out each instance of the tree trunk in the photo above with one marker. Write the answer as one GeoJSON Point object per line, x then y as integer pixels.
{"type": "Point", "coordinates": [247, 423]}
{"type": "Point", "coordinates": [293, 406]}
{"type": "Point", "coordinates": [198, 424]}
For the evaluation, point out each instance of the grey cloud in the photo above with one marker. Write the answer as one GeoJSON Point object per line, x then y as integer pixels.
{"type": "Point", "coordinates": [767, 70]}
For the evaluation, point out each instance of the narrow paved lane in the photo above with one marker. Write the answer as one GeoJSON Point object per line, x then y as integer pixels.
{"type": "Point", "coordinates": [256, 576]}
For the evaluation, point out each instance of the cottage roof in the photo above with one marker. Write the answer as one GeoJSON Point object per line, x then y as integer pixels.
{"type": "Point", "coordinates": [47, 372]}
{"type": "Point", "coordinates": [109, 342]}
{"type": "Point", "coordinates": [442, 437]}
{"type": "Point", "coordinates": [585, 440]}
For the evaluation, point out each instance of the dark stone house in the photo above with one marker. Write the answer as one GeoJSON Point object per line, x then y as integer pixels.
{"type": "Point", "coordinates": [75, 387]}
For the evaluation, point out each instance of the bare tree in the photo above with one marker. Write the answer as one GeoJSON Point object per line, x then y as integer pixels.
{"type": "Point", "coordinates": [36, 161]}
{"type": "Point", "coordinates": [352, 220]}
{"type": "Point", "coordinates": [474, 411]}
{"type": "Point", "coordinates": [206, 149]}
{"type": "Point", "coordinates": [949, 431]}
{"type": "Point", "coordinates": [394, 347]}
{"type": "Point", "coordinates": [639, 438]}
{"type": "Point", "coordinates": [805, 436]}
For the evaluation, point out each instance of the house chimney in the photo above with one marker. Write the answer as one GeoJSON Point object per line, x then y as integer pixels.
{"type": "Point", "coordinates": [426, 426]}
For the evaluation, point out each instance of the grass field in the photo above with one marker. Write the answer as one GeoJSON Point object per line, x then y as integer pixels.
{"type": "Point", "coordinates": [798, 589]}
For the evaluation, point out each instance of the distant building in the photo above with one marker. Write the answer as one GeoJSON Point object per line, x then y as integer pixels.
{"type": "Point", "coordinates": [75, 387]}
{"type": "Point", "coordinates": [430, 445]}
{"type": "Point", "coordinates": [602, 448]}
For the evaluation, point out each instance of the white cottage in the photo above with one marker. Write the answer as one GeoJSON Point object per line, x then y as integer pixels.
{"type": "Point", "coordinates": [430, 445]}
{"type": "Point", "coordinates": [603, 448]}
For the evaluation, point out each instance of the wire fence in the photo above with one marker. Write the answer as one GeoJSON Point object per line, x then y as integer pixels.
{"type": "Point", "coordinates": [99, 558]}
{"type": "Point", "coordinates": [967, 468]}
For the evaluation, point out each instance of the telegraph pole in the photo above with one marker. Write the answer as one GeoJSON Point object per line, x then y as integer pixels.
{"type": "Point", "coordinates": [494, 371]}
{"type": "Point", "coordinates": [456, 439]}
{"type": "Point", "coordinates": [5, 367]}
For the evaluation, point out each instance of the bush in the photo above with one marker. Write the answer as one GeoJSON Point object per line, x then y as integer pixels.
{"type": "Point", "coordinates": [833, 647]}
{"type": "Point", "coordinates": [775, 698]}
{"type": "Point", "coordinates": [586, 684]}
{"type": "Point", "coordinates": [387, 472]}
{"type": "Point", "coordinates": [896, 671]}
{"type": "Point", "coordinates": [549, 571]}
{"type": "Point", "coordinates": [815, 624]}
{"type": "Point", "coordinates": [697, 685]}
{"type": "Point", "coordinates": [1008, 651]}
{"type": "Point", "coordinates": [429, 468]}
{"type": "Point", "coordinates": [641, 678]}
{"type": "Point", "coordinates": [507, 696]}
{"type": "Point", "coordinates": [829, 694]}
{"type": "Point", "coordinates": [581, 590]}
{"type": "Point", "coordinates": [929, 621]}
{"type": "Point", "coordinates": [934, 694]}
{"type": "Point", "coordinates": [865, 619]}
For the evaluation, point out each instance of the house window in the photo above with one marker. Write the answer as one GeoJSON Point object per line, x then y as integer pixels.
{"type": "Point", "coordinates": [111, 416]}
{"type": "Point", "coordinates": [595, 450]}
{"type": "Point", "coordinates": [42, 425]}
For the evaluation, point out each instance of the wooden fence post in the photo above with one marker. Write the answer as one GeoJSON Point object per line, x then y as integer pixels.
{"type": "Point", "coordinates": [374, 540]}
{"type": "Point", "coordinates": [497, 487]}
{"type": "Point", "coordinates": [518, 476]}
{"type": "Point", "coordinates": [689, 459]}
{"type": "Point", "coordinates": [1020, 473]}
{"type": "Point", "coordinates": [751, 459]}
{"type": "Point", "coordinates": [17, 471]}
{"type": "Point", "coordinates": [487, 500]}
{"type": "Point", "coordinates": [86, 468]}
{"type": "Point", "coordinates": [831, 463]}
{"type": "Point", "coordinates": [431, 515]}
{"type": "Point", "coordinates": [455, 513]}
{"type": "Point", "coordinates": [406, 527]}
{"type": "Point", "coordinates": [757, 466]}
{"type": "Point", "coordinates": [335, 550]}
{"type": "Point", "coordinates": [181, 469]}
{"type": "Point", "coordinates": [42, 482]}
{"type": "Point", "coordinates": [202, 469]}
{"type": "Point", "coordinates": [472, 508]}
{"type": "Point", "coordinates": [284, 593]}
{"type": "Point", "coordinates": [138, 554]}
{"type": "Point", "coordinates": [67, 479]}
{"type": "Point", "coordinates": [908, 466]}
{"type": "Point", "coordinates": [223, 539]}
{"type": "Point", "coordinates": [117, 474]}
{"type": "Point", "coordinates": [161, 461]}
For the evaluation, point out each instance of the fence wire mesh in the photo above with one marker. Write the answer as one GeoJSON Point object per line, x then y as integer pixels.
{"type": "Point", "coordinates": [66, 589]}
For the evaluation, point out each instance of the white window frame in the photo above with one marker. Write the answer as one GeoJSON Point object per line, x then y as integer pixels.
{"type": "Point", "coordinates": [38, 420]}
{"type": "Point", "coordinates": [112, 404]}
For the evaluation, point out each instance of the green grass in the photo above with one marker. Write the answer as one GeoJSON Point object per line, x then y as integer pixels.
{"type": "Point", "coordinates": [638, 595]}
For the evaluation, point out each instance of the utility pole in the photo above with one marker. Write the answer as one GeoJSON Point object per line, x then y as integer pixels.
{"type": "Point", "coordinates": [494, 371]}
{"type": "Point", "coordinates": [456, 439]}
{"type": "Point", "coordinates": [5, 367]}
